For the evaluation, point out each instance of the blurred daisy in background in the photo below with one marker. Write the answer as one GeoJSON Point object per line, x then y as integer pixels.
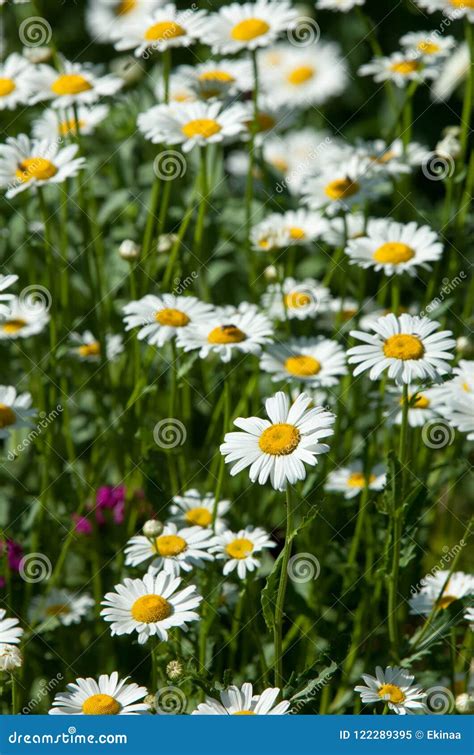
{"type": "Point", "coordinates": [173, 551]}
{"type": "Point", "coordinates": [76, 84]}
{"type": "Point", "coordinates": [292, 228]}
{"type": "Point", "coordinates": [428, 45]}
{"type": "Point", "coordinates": [248, 26]}
{"type": "Point", "coordinates": [314, 362]}
{"type": "Point", "coordinates": [400, 67]}
{"type": "Point", "coordinates": [295, 299]}
{"type": "Point", "coordinates": [88, 349]}
{"type": "Point", "coordinates": [51, 123]}
{"type": "Point", "coordinates": [109, 19]}
{"type": "Point", "coordinates": [193, 509]}
{"type": "Point", "coordinates": [340, 5]}
{"type": "Point", "coordinates": [351, 480]}
{"type": "Point", "coordinates": [218, 79]}
{"type": "Point", "coordinates": [164, 29]}
{"type": "Point", "coordinates": [160, 318]}
{"type": "Point", "coordinates": [241, 550]}
{"type": "Point", "coordinates": [424, 404]}
{"type": "Point", "coordinates": [15, 86]}
{"type": "Point", "coordinates": [394, 158]}
{"type": "Point", "coordinates": [64, 605]}
{"type": "Point", "coordinates": [454, 71]}
{"type": "Point", "coordinates": [106, 697]}
{"type": "Point", "coordinates": [453, 9]}
{"type": "Point", "coordinates": [460, 413]}
{"type": "Point", "coordinates": [22, 318]}
{"type": "Point", "coordinates": [10, 631]}
{"type": "Point", "coordinates": [242, 702]}
{"type": "Point", "coordinates": [394, 687]}
{"type": "Point", "coordinates": [180, 88]}
{"type": "Point", "coordinates": [339, 230]}
{"type": "Point", "coordinates": [150, 606]}
{"type": "Point", "coordinates": [434, 594]}
{"type": "Point", "coordinates": [15, 412]}
{"type": "Point", "coordinates": [341, 186]}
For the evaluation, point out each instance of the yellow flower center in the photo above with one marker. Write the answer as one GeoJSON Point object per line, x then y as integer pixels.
{"type": "Point", "coordinates": [393, 253]}
{"type": "Point", "coordinates": [101, 705]}
{"type": "Point", "coordinates": [357, 480]}
{"type": "Point", "coordinates": [280, 164]}
{"type": "Point", "coordinates": [239, 548]}
{"type": "Point", "coordinates": [125, 6]}
{"type": "Point", "coordinates": [462, 3]}
{"type": "Point", "coordinates": [35, 167]}
{"type": "Point", "coordinates": [163, 31]}
{"type": "Point", "coordinates": [70, 83]}
{"type": "Point", "coordinates": [341, 188]}
{"type": "Point", "coordinates": [71, 126]}
{"type": "Point", "coordinates": [7, 416]}
{"type": "Point", "coordinates": [297, 234]}
{"type": "Point", "coordinates": [89, 349]}
{"type": "Point", "coordinates": [205, 127]}
{"type": "Point", "coordinates": [174, 318]}
{"type": "Point", "coordinates": [428, 48]}
{"type": "Point", "coordinates": [445, 601]}
{"type": "Point", "coordinates": [58, 609]}
{"type": "Point", "coordinates": [301, 75]}
{"type": "Point", "coordinates": [302, 365]}
{"type": "Point", "coordinates": [421, 402]}
{"type": "Point", "coordinates": [170, 545]}
{"type": "Point", "coordinates": [249, 29]}
{"type": "Point", "coordinates": [221, 76]}
{"type": "Point", "coordinates": [244, 713]}
{"type": "Point", "coordinates": [226, 334]}
{"type": "Point", "coordinates": [466, 387]}
{"type": "Point", "coordinates": [403, 347]}
{"type": "Point", "coordinates": [151, 608]}
{"type": "Point", "coordinates": [7, 86]}
{"type": "Point", "coordinates": [405, 67]}
{"type": "Point", "coordinates": [280, 439]}
{"type": "Point", "coordinates": [296, 300]}
{"type": "Point", "coordinates": [392, 693]}
{"type": "Point", "coordinates": [13, 326]}
{"type": "Point", "coordinates": [381, 159]}
{"type": "Point", "coordinates": [199, 516]}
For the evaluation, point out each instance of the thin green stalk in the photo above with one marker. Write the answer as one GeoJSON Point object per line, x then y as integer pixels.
{"type": "Point", "coordinates": [220, 475]}
{"type": "Point", "coordinates": [468, 92]}
{"type": "Point", "coordinates": [280, 601]}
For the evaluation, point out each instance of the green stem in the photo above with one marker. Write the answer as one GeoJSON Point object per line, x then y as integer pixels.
{"type": "Point", "coordinates": [280, 601]}
{"type": "Point", "coordinates": [468, 92]}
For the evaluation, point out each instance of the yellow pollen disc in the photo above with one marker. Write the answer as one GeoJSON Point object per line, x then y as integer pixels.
{"type": "Point", "coordinates": [70, 83]}
{"type": "Point", "coordinates": [151, 608]}
{"type": "Point", "coordinates": [174, 318]}
{"type": "Point", "coordinates": [89, 349]}
{"type": "Point", "coordinates": [280, 164]}
{"type": "Point", "coordinates": [421, 402]}
{"type": "Point", "coordinates": [392, 692]}
{"type": "Point", "coordinates": [462, 3]}
{"type": "Point", "coordinates": [301, 75]}
{"type": "Point", "coordinates": [445, 601]}
{"type": "Point", "coordinates": [205, 127]}
{"type": "Point", "coordinates": [125, 6]}
{"type": "Point", "coordinates": [101, 705]}
{"type": "Point", "coordinates": [13, 326]}
{"type": "Point", "coordinates": [393, 253]}
{"type": "Point", "coordinates": [405, 67]}
{"type": "Point", "coordinates": [163, 31]}
{"type": "Point", "coordinates": [7, 416]}
{"type": "Point", "coordinates": [357, 480]}
{"type": "Point", "coordinates": [71, 126]}
{"type": "Point", "coordinates": [382, 159]}
{"type": "Point", "coordinates": [58, 609]}
{"type": "Point", "coordinates": [466, 387]}
{"type": "Point", "coordinates": [302, 365]}
{"type": "Point", "coordinates": [296, 300]}
{"type": "Point", "coordinates": [35, 167]}
{"type": "Point", "coordinates": [249, 29]}
{"type": "Point", "coordinates": [244, 713]}
{"type": "Point", "coordinates": [199, 516]}
{"type": "Point", "coordinates": [280, 439]}
{"type": "Point", "coordinates": [239, 548]}
{"type": "Point", "coordinates": [7, 86]}
{"type": "Point", "coordinates": [221, 76]}
{"type": "Point", "coordinates": [403, 347]}
{"type": "Point", "coordinates": [428, 48]}
{"type": "Point", "coordinates": [348, 314]}
{"type": "Point", "coordinates": [341, 188]}
{"type": "Point", "coordinates": [170, 545]}
{"type": "Point", "coordinates": [298, 234]}
{"type": "Point", "coordinates": [226, 334]}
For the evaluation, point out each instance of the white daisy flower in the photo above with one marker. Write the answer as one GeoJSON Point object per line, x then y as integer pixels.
{"type": "Point", "coordinates": [22, 318]}
{"type": "Point", "coordinates": [314, 362]}
{"type": "Point", "coordinates": [248, 26]}
{"type": "Point", "coordinates": [400, 67]}
{"type": "Point", "coordinates": [10, 632]}
{"type": "Point", "coordinates": [76, 84]}
{"type": "Point", "coordinates": [351, 480]}
{"type": "Point", "coordinates": [410, 348]}
{"type": "Point", "coordinates": [5, 282]}
{"type": "Point", "coordinates": [424, 405]}
{"type": "Point", "coordinates": [432, 595]}
{"type": "Point", "coordinates": [218, 79]}
{"type": "Point", "coordinates": [460, 413]}
{"type": "Point", "coordinates": [87, 348]}
{"type": "Point", "coordinates": [242, 702]}
{"type": "Point", "coordinates": [51, 123]}
{"type": "Point", "coordinates": [271, 119]}
{"type": "Point", "coordinates": [461, 383]}
{"type": "Point", "coordinates": [469, 617]}
{"type": "Point", "coordinates": [150, 606]}
{"type": "Point", "coordinates": [193, 509]}
{"type": "Point", "coordinates": [279, 447]}
{"type": "Point", "coordinates": [164, 29]}
{"type": "Point", "coordinates": [180, 89]}
{"type": "Point", "coordinates": [341, 186]}
{"type": "Point", "coordinates": [428, 45]}
{"type": "Point", "coordinates": [394, 158]}
{"type": "Point", "coordinates": [395, 248]}
{"type": "Point", "coordinates": [27, 164]}
{"type": "Point", "coordinates": [193, 124]}
{"type": "Point", "coordinates": [353, 224]}
{"type": "Point", "coordinates": [455, 69]}
{"type": "Point", "coordinates": [372, 314]}
{"type": "Point", "coordinates": [245, 330]}
{"type": "Point", "coordinates": [341, 312]}
{"type": "Point", "coordinates": [108, 19]}
{"type": "Point", "coordinates": [339, 5]}
{"type": "Point", "coordinates": [65, 606]}
{"type": "Point", "coordinates": [161, 318]}
{"type": "Point", "coordinates": [172, 551]}
{"type": "Point", "coordinates": [295, 299]}
{"type": "Point", "coordinates": [241, 550]}
{"type": "Point", "coordinates": [15, 87]}
{"type": "Point", "coordinates": [108, 696]}
{"type": "Point", "coordinates": [292, 228]}
{"type": "Point", "coordinates": [306, 75]}
{"type": "Point", "coordinates": [453, 9]}
{"type": "Point", "coordinates": [394, 687]}
{"type": "Point", "coordinates": [15, 413]}
{"type": "Point", "coordinates": [10, 657]}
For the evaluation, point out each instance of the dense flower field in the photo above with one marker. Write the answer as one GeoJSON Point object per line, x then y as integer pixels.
{"type": "Point", "coordinates": [237, 399]}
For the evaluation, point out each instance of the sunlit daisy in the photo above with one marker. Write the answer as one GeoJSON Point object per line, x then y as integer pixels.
{"type": "Point", "coordinates": [461, 383]}
{"type": "Point", "coordinates": [341, 186]}
{"type": "Point", "coordinates": [394, 158]}
{"type": "Point", "coordinates": [241, 551]}
{"type": "Point", "coordinates": [10, 632]}
{"type": "Point", "coordinates": [295, 299]}
{"type": "Point", "coordinates": [196, 509]}
{"type": "Point", "coordinates": [432, 595]}
{"type": "Point", "coordinates": [453, 9]}
{"type": "Point", "coordinates": [311, 361]}
{"type": "Point", "coordinates": [428, 44]}
{"type": "Point", "coordinates": [23, 318]}
{"type": "Point", "coordinates": [242, 702]}
{"type": "Point", "coordinates": [164, 29]}
{"type": "Point", "coordinates": [76, 84]}
{"type": "Point", "coordinates": [109, 696]}
{"type": "Point", "coordinates": [15, 86]}
{"type": "Point", "coordinates": [279, 447]}
{"type": "Point", "coordinates": [224, 78]}
{"type": "Point", "coordinates": [26, 164]}
{"type": "Point", "coordinates": [393, 687]}
{"type": "Point", "coordinates": [64, 605]}
{"type": "Point", "coordinates": [15, 412]}
{"type": "Point", "coordinates": [52, 123]}
{"type": "Point", "coordinates": [298, 154]}
{"type": "Point", "coordinates": [109, 19]}
{"type": "Point", "coordinates": [88, 349]}
{"type": "Point", "coordinates": [160, 318]}
{"type": "Point", "coordinates": [292, 228]}
{"type": "Point", "coordinates": [173, 551]}
{"type": "Point", "coordinates": [248, 26]}
{"type": "Point", "coordinates": [150, 606]}
{"type": "Point", "coordinates": [244, 331]}
{"type": "Point", "coordinates": [395, 248]}
{"type": "Point", "coordinates": [424, 405]}
{"type": "Point", "coordinates": [410, 348]}
{"type": "Point", "coordinates": [400, 67]}
{"type": "Point", "coordinates": [351, 480]}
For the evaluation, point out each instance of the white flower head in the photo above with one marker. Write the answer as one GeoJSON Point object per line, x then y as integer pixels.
{"type": "Point", "coordinates": [106, 697]}
{"type": "Point", "coordinates": [76, 84]}
{"type": "Point", "coordinates": [434, 594]}
{"type": "Point", "coordinates": [53, 123]}
{"type": "Point", "coordinates": [292, 228]}
{"type": "Point", "coordinates": [241, 550]}
{"type": "Point", "coordinates": [108, 20]}
{"type": "Point", "coordinates": [424, 405]}
{"type": "Point", "coordinates": [248, 26]}
{"type": "Point", "coordinates": [22, 318]}
{"type": "Point", "coordinates": [235, 701]}
{"type": "Point", "coordinates": [452, 9]}
{"type": "Point", "coordinates": [164, 29]}
{"type": "Point", "coordinates": [342, 185]}
{"type": "Point", "coordinates": [351, 480]}
{"type": "Point", "coordinates": [314, 362]}
{"type": "Point", "coordinates": [393, 159]}
{"type": "Point", "coordinates": [15, 413]}
{"type": "Point", "coordinates": [15, 86]}
{"type": "Point", "coordinates": [393, 687]}
{"type": "Point", "coordinates": [400, 67]}
{"type": "Point", "coordinates": [64, 605]}
{"type": "Point", "coordinates": [161, 318]}
{"type": "Point", "coordinates": [88, 349]}
{"type": "Point", "coordinates": [10, 632]}
{"type": "Point", "coordinates": [173, 551]}
{"type": "Point", "coordinates": [293, 299]}
{"type": "Point", "coordinates": [428, 45]}
{"type": "Point", "coordinates": [193, 509]}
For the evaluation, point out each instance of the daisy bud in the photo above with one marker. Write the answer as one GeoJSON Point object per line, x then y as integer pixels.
{"type": "Point", "coordinates": [127, 68]}
{"type": "Point", "coordinates": [464, 347]}
{"type": "Point", "coordinates": [129, 250]}
{"type": "Point", "coordinates": [10, 657]}
{"type": "Point", "coordinates": [165, 242]}
{"type": "Point", "coordinates": [37, 54]}
{"type": "Point", "coordinates": [174, 670]}
{"type": "Point", "coordinates": [150, 702]}
{"type": "Point", "coordinates": [270, 273]}
{"type": "Point", "coordinates": [465, 703]}
{"type": "Point", "coordinates": [153, 528]}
